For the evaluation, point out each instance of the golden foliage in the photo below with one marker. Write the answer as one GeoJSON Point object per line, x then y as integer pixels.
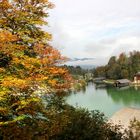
{"type": "Point", "coordinates": [27, 63]}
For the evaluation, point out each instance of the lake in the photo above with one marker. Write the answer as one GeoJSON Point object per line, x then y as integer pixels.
{"type": "Point", "coordinates": [106, 100]}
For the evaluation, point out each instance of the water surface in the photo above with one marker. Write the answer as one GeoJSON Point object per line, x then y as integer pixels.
{"type": "Point", "coordinates": [106, 100]}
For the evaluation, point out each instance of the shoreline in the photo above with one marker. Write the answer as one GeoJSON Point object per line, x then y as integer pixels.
{"type": "Point", "coordinates": [125, 116]}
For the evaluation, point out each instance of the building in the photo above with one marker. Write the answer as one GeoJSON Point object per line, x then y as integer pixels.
{"type": "Point", "coordinates": [122, 83]}
{"type": "Point", "coordinates": [137, 78]}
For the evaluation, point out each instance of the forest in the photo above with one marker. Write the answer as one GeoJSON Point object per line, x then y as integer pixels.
{"type": "Point", "coordinates": [124, 66]}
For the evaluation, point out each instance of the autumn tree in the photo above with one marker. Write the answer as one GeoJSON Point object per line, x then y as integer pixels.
{"type": "Point", "coordinates": [29, 68]}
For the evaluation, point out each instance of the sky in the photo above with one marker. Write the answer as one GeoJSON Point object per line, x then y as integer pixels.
{"type": "Point", "coordinates": [95, 28]}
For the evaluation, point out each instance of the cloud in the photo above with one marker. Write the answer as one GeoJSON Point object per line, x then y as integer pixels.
{"type": "Point", "coordinates": [97, 50]}
{"type": "Point", "coordinates": [94, 28]}
{"type": "Point", "coordinates": [126, 44]}
{"type": "Point", "coordinates": [114, 46]}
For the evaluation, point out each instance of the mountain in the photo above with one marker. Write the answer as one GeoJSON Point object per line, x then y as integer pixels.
{"type": "Point", "coordinates": [79, 59]}
{"type": "Point", "coordinates": [87, 63]}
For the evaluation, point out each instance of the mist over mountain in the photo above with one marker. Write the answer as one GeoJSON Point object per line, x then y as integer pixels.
{"type": "Point", "coordinates": [86, 63]}
{"type": "Point", "coordinates": [80, 59]}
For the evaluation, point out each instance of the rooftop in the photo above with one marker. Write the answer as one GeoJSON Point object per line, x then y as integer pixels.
{"type": "Point", "coordinates": [137, 74]}
{"type": "Point", "coordinates": [123, 81]}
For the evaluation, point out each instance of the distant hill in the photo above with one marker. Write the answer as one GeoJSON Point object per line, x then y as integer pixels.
{"type": "Point", "coordinates": [86, 63]}
{"type": "Point", "coordinates": [88, 67]}
{"type": "Point", "coordinates": [80, 59]}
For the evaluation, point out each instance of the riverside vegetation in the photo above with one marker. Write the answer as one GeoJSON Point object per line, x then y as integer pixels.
{"type": "Point", "coordinates": [31, 82]}
{"type": "Point", "coordinates": [125, 66]}
{"type": "Point", "coordinates": [80, 77]}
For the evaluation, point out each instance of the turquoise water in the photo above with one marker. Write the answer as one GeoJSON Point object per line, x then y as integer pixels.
{"type": "Point", "coordinates": [106, 100]}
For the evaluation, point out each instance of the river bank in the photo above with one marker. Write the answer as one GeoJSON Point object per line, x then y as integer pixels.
{"type": "Point", "coordinates": [124, 116]}
{"type": "Point", "coordinates": [114, 83]}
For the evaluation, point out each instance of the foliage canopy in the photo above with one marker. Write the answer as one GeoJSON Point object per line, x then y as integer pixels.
{"type": "Point", "coordinates": [28, 64]}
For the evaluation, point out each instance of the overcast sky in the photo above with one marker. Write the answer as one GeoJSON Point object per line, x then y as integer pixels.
{"type": "Point", "coordinates": [95, 28]}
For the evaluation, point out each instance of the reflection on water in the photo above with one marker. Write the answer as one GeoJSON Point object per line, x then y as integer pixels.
{"type": "Point", "coordinates": [107, 100]}
{"type": "Point", "coordinates": [128, 96]}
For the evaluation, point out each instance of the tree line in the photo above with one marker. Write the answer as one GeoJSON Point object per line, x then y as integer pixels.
{"type": "Point", "coordinates": [124, 66]}
{"type": "Point", "coordinates": [76, 70]}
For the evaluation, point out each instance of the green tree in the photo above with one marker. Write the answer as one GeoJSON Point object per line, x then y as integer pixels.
{"type": "Point", "coordinates": [112, 60]}
{"type": "Point", "coordinates": [125, 66]}
{"type": "Point", "coordinates": [134, 63]}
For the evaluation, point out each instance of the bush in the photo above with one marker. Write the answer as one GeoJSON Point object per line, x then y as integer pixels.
{"type": "Point", "coordinates": [134, 131]}
{"type": "Point", "coordinates": [85, 125]}
{"type": "Point", "coordinates": [63, 122]}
